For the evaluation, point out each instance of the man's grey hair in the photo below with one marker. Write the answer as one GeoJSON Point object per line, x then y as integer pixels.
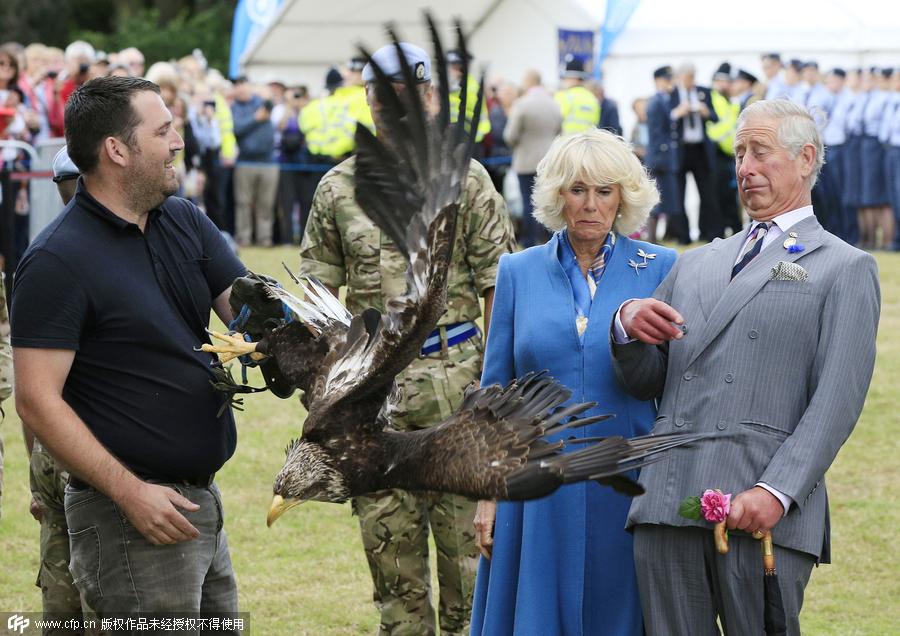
{"type": "Point", "coordinates": [796, 128]}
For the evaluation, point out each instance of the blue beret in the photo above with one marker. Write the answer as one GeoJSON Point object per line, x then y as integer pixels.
{"type": "Point", "coordinates": [386, 58]}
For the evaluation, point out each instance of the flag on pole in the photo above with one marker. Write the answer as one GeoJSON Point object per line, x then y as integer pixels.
{"type": "Point", "coordinates": [251, 18]}
{"type": "Point", "coordinates": [618, 13]}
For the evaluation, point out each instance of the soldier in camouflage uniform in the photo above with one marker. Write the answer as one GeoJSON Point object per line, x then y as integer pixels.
{"type": "Point", "coordinates": [6, 369]}
{"type": "Point", "coordinates": [59, 595]}
{"type": "Point", "coordinates": [48, 483]}
{"type": "Point", "coordinates": [341, 246]}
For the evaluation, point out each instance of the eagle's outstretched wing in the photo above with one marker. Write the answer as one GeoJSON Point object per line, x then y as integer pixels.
{"type": "Point", "coordinates": [503, 443]}
{"type": "Point", "coordinates": [408, 181]}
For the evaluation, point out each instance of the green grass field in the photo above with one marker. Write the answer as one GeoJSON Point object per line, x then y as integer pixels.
{"type": "Point", "coordinates": [308, 575]}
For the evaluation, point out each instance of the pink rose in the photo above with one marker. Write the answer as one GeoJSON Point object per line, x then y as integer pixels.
{"type": "Point", "coordinates": [715, 505]}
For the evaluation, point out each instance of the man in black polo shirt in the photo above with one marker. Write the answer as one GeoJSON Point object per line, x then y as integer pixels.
{"type": "Point", "coordinates": [109, 303]}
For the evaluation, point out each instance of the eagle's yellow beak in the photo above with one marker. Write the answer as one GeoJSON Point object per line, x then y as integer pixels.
{"type": "Point", "coordinates": [279, 507]}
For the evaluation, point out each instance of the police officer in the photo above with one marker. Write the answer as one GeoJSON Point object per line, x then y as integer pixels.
{"type": "Point", "coordinates": [455, 63]}
{"type": "Point", "coordinates": [323, 139]}
{"type": "Point", "coordinates": [662, 154]}
{"type": "Point", "coordinates": [342, 247]}
{"type": "Point", "coordinates": [721, 133]}
{"type": "Point", "coordinates": [579, 106]}
{"type": "Point", "coordinates": [353, 93]}
{"type": "Point", "coordinates": [743, 88]}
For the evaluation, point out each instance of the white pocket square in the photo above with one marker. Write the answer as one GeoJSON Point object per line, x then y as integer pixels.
{"type": "Point", "coordinates": [789, 271]}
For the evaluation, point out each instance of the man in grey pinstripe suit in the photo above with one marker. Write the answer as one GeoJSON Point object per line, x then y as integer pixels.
{"type": "Point", "coordinates": [777, 355]}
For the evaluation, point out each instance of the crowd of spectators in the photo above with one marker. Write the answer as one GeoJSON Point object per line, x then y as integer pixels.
{"type": "Point", "coordinates": [255, 153]}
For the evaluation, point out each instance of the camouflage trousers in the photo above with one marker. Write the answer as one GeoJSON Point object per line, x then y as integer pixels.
{"type": "Point", "coordinates": [395, 524]}
{"type": "Point", "coordinates": [48, 484]}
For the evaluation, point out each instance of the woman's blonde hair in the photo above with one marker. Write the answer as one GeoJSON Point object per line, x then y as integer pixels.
{"type": "Point", "coordinates": [595, 157]}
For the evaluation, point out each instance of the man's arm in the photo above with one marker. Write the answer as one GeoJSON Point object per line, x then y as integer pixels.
{"type": "Point", "coordinates": [222, 307]}
{"type": "Point", "coordinates": [40, 377]}
{"type": "Point", "coordinates": [640, 366]}
{"type": "Point", "coordinates": [245, 121]}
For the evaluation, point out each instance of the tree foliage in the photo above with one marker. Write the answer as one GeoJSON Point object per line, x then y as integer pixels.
{"type": "Point", "coordinates": [161, 29]}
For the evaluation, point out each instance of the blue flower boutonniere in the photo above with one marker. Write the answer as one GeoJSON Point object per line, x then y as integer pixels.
{"type": "Point", "coordinates": [791, 244]}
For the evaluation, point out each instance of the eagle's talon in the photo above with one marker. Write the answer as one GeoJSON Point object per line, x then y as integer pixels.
{"type": "Point", "coordinates": [236, 347]}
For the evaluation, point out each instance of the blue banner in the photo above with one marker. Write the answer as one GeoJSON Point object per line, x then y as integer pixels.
{"type": "Point", "coordinates": [578, 44]}
{"type": "Point", "coordinates": [251, 17]}
{"type": "Point", "coordinates": [618, 13]}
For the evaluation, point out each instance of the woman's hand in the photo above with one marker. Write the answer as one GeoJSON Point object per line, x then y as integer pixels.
{"type": "Point", "coordinates": [485, 514]}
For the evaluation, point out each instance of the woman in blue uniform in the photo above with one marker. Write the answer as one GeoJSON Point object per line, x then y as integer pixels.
{"type": "Point", "coordinates": [873, 185]}
{"type": "Point", "coordinates": [563, 564]}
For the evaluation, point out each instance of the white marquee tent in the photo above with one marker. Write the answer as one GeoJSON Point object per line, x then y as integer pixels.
{"type": "Point", "coordinates": [307, 37]}
{"type": "Point", "coordinates": [509, 36]}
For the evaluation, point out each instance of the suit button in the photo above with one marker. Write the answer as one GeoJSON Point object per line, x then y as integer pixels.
{"type": "Point", "coordinates": [722, 426]}
{"type": "Point", "coordinates": [687, 375]}
{"type": "Point", "coordinates": [754, 334]}
{"type": "Point", "coordinates": [664, 147]}
{"type": "Point", "coordinates": [729, 377]}
{"type": "Point", "coordinates": [679, 422]}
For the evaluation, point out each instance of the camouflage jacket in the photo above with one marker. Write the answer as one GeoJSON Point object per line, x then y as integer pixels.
{"type": "Point", "coordinates": [341, 246]}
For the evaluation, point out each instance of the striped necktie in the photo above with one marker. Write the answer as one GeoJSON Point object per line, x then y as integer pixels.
{"type": "Point", "coordinates": [752, 248]}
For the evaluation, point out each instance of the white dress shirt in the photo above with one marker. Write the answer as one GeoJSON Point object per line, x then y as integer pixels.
{"type": "Point", "coordinates": [694, 131]}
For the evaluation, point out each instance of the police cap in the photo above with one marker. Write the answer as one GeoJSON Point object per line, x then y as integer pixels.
{"type": "Point", "coordinates": [746, 75]}
{"type": "Point", "coordinates": [387, 59]}
{"type": "Point", "coordinates": [356, 64]}
{"type": "Point", "coordinates": [723, 72]}
{"type": "Point", "coordinates": [333, 79]}
{"type": "Point", "coordinates": [574, 67]}
{"type": "Point", "coordinates": [663, 71]}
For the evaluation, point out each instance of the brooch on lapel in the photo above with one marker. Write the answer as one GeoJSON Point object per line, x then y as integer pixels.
{"type": "Point", "coordinates": [637, 267]}
{"type": "Point", "coordinates": [791, 244]}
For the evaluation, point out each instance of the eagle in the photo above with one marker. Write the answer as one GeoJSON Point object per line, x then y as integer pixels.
{"type": "Point", "coordinates": [503, 442]}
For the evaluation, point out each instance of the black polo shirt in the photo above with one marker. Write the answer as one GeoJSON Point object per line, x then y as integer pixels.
{"type": "Point", "coordinates": [133, 306]}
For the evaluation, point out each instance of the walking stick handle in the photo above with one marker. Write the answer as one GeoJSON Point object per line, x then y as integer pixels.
{"type": "Point", "coordinates": [720, 534]}
{"type": "Point", "coordinates": [768, 553]}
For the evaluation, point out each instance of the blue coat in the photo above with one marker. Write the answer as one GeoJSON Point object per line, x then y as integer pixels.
{"type": "Point", "coordinates": [563, 564]}
{"type": "Point", "coordinates": [662, 149]}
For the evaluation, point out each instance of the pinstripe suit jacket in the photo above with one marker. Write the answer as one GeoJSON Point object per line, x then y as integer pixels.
{"type": "Point", "coordinates": [781, 368]}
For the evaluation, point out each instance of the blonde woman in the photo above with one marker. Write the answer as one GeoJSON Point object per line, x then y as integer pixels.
{"type": "Point", "coordinates": [563, 564]}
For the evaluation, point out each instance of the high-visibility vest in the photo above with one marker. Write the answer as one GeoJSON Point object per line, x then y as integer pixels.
{"type": "Point", "coordinates": [228, 149]}
{"type": "Point", "coordinates": [484, 124]}
{"type": "Point", "coordinates": [580, 109]}
{"type": "Point", "coordinates": [329, 123]}
{"type": "Point", "coordinates": [722, 132]}
{"type": "Point", "coordinates": [358, 106]}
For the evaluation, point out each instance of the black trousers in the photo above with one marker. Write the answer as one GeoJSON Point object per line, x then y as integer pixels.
{"type": "Point", "coordinates": [290, 192]}
{"type": "Point", "coordinates": [696, 161]}
{"type": "Point", "coordinates": [727, 196]}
